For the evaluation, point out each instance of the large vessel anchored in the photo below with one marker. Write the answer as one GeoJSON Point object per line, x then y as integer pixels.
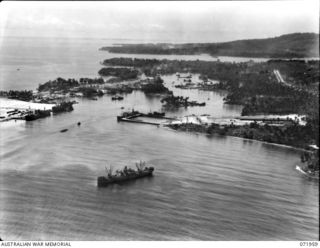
{"type": "Point", "coordinates": [124, 175]}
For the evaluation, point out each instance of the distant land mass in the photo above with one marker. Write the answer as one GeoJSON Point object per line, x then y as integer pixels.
{"type": "Point", "coordinates": [296, 45]}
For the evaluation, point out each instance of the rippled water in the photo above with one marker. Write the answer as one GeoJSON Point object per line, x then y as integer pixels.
{"type": "Point", "coordinates": [204, 188]}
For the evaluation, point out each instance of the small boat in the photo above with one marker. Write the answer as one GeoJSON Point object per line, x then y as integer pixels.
{"type": "Point", "coordinates": [63, 130]}
{"type": "Point", "coordinates": [115, 98]}
{"type": "Point", "coordinates": [125, 175]}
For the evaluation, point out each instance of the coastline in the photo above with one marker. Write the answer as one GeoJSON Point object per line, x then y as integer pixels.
{"type": "Point", "coordinates": [238, 137]}
{"type": "Point", "coordinates": [269, 143]}
{"type": "Point", "coordinates": [299, 44]}
{"type": "Point", "coordinates": [222, 58]}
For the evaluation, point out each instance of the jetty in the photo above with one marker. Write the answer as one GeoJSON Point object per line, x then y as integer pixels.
{"type": "Point", "coordinates": [139, 121]}
{"type": "Point", "coordinates": [291, 118]}
{"type": "Point", "coordinates": [151, 118]}
{"type": "Point", "coordinates": [12, 109]}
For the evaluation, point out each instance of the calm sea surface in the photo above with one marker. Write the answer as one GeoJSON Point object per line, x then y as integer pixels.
{"type": "Point", "coordinates": [204, 188]}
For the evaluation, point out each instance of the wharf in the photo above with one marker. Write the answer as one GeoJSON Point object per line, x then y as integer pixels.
{"type": "Point", "coordinates": [138, 121]}
{"type": "Point", "coordinates": [133, 118]}
{"type": "Point", "coordinates": [265, 119]}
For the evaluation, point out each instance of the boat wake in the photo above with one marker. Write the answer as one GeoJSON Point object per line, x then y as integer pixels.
{"type": "Point", "coordinates": [309, 174]}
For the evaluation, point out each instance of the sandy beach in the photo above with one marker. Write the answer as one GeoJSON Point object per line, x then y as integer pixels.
{"type": "Point", "coordinates": [22, 105]}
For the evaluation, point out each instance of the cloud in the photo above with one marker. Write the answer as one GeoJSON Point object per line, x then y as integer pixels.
{"type": "Point", "coordinates": [202, 21]}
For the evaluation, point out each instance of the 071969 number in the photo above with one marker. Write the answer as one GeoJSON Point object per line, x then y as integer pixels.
{"type": "Point", "coordinates": [310, 244]}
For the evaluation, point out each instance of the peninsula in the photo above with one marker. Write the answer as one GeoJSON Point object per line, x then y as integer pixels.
{"type": "Point", "coordinates": [296, 45]}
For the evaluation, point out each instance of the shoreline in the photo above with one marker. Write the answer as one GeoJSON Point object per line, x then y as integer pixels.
{"type": "Point", "coordinates": [238, 137]}
{"type": "Point", "coordinates": [299, 44]}
{"type": "Point", "coordinates": [219, 57]}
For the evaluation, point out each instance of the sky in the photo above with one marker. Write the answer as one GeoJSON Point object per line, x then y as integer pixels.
{"type": "Point", "coordinates": [180, 21]}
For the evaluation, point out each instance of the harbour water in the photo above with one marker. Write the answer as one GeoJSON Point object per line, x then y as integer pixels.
{"type": "Point", "coordinates": [27, 62]}
{"type": "Point", "coordinates": [204, 188]}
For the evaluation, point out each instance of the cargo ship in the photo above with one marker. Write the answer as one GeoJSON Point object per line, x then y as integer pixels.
{"type": "Point", "coordinates": [127, 174]}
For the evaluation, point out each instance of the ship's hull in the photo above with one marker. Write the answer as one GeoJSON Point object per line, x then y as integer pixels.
{"type": "Point", "coordinates": [104, 181]}
{"type": "Point", "coordinates": [40, 114]}
{"type": "Point", "coordinates": [31, 117]}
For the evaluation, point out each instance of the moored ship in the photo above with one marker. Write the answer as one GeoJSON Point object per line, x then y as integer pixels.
{"type": "Point", "coordinates": [155, 114]}
{"type": "Point", "coordinates": [127, 174]}
{"type": "Point", "coordinates": [133, 114]}
{"type": "Point", "coordinates": [31, 116]}
{"type": "Point", "coordinates": [128, 115]}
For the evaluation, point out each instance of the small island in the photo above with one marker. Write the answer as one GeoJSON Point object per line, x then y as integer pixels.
{"type": "Point", "coordinates": [122, 73]}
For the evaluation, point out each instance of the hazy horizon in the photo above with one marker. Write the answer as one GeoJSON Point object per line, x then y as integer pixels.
{"type": "Point", "coordinates": [146, 41]}
{"type": "Point", "coordinates": [176, 22]}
